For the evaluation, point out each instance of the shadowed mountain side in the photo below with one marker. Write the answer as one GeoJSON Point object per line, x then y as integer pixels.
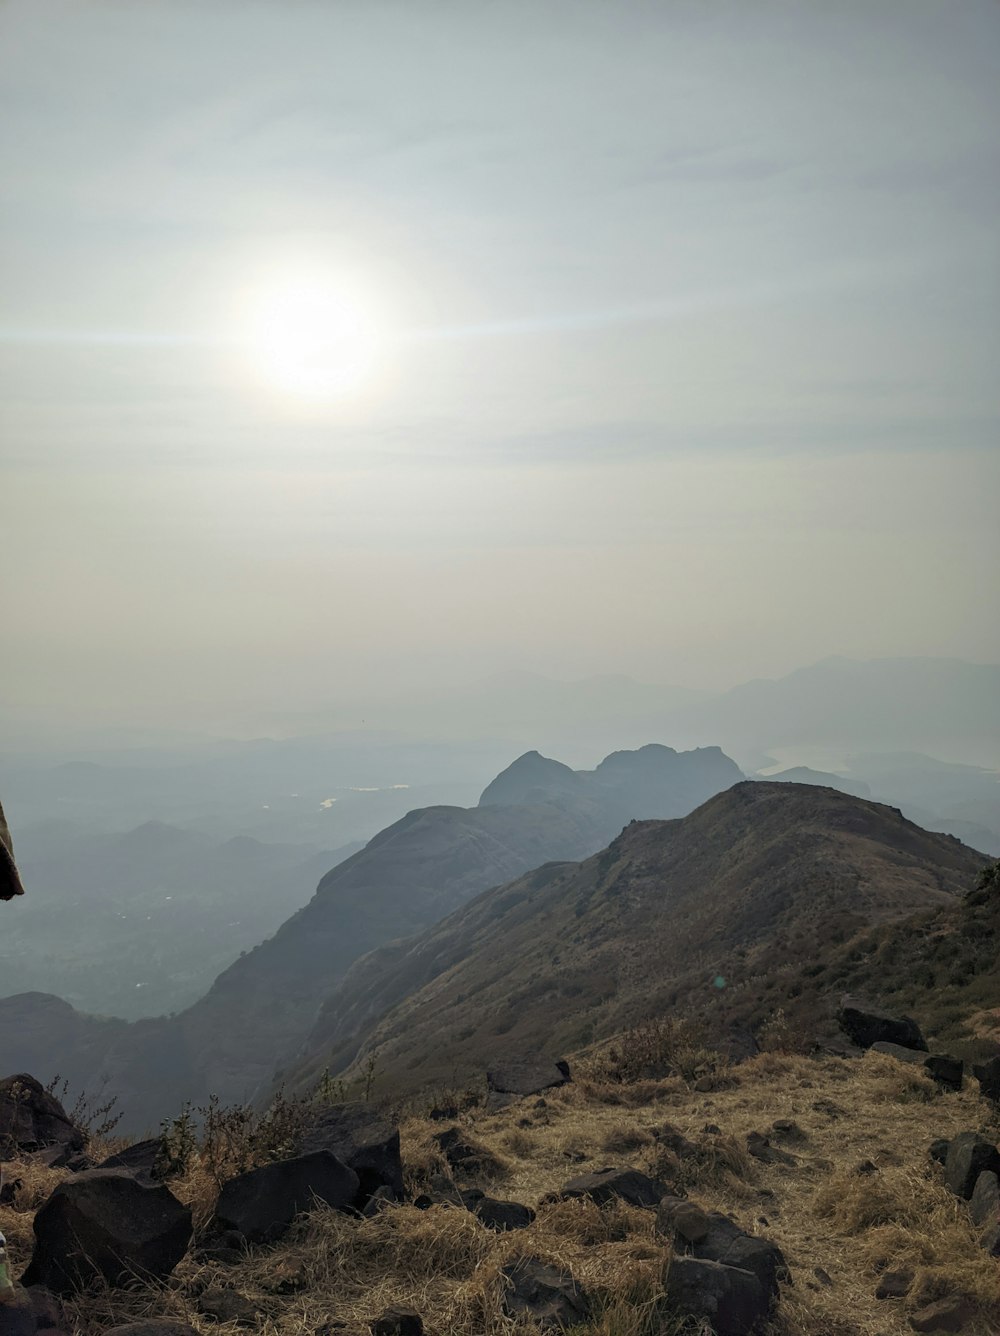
{"type": "Point", "coordinates": [259, 1010]}
{"type": "Point", "coordinates": [574, 952]}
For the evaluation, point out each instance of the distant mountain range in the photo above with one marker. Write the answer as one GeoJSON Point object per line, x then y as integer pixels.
{"type": "Point", "coordinates": [259, 1010]}
{"type": "Point", "coordinates": [682, 917]}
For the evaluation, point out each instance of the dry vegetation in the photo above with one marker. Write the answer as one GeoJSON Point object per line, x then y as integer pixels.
{"type": "Point", "coordinates": [838, 1227]}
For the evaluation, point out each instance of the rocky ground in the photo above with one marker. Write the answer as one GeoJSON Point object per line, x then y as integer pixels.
{"type": "Point", "coordinates": [828, 1168]}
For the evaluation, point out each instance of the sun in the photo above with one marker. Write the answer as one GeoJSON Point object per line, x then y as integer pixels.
{"type": "Point", "coordinates": [312, 336]}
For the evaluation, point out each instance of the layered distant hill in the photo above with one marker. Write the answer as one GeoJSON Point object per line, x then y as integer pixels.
{"type": "Point", "coordinates": [674, 917]}
{"type": "Point", "coordinates": [258, 1012]}
{"type": "Point", "coordinates": [140, 923]}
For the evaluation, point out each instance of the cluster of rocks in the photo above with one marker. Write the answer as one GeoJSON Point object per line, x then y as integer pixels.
{"type": "Point", "coordinates": [869, 1027]}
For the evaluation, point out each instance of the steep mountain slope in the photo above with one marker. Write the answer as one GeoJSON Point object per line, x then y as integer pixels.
{"type": "Point", "coordinates": [260, 1009]}
{"type": "Point", "coordinates": [673, 915]}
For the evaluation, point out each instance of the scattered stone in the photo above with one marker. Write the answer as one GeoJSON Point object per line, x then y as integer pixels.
{"type": "Point", "coordinates": [228, 1306]}
{"type": "Point", "coordinates": [759, 1146]}
{"type": "Point", "coordinates": [102, 1224]}
{"type": "Point", "coordinates": [9, 1188]}
{"type": "Point", "coordinates": [865, 1168]}
{"type": "Point", "coordinates": [227, 1248]}
{"type": "Point", "coordinates": [398, 1321]}
{"type": "Point", "coordinates": [894, 1285]}
{"type": "Point", "coordinates": [261, 1204]}
{"type": "Point", "coordinates": [969, 1155]}
{"type": "Point", "coordinates": [365, 1141]}
{"type": "Point", "coordinates": [674, 1139]}
{"type": "Point", "coordinates": [499, 1216]}
{"type": "Point", "coordinates": [787, 1130]}
{"type": "Point", "coordinates": [630, 1185]}
{"type": "Point", "coordinates": [31, 1118]}
{"type": "Point", "coordinates": [681, 1217]}
{"type": "Point", "coordinates": [868, 1025]}
{"type": "Point", "coordinates": [947, 1072]}
{"type": "Point", "coordinates": [61, 1156]}
{"type": "Point", "coordinates": [146, 1161]}
{"type": "Point", "coordinates": [823, 1276]}
{"type": "Point", "coordinates": [527, 1078]}
{"type": "Point", "coordinates": [949, 1314]}
{"type": "Point", "coordinates": [988, 1076]}
{"type": "Point", "coordinates": [984, 1204]}
{"type": "Point", "coordinates": [465, 1155]}
{"type": "Point", "coordinates": [938, 1150]}
{"type": "Point", "coordinates": [732, 1246]}
{"type": "Point", "coordinates": [731, 1300]}
{"type": "Point", "coordinates": [544, 1294]}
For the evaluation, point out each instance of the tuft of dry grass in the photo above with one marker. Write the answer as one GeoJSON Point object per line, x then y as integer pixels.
{"type": "Point", "coordinates": [626, 1137]}
{"type": "Point", "coordinates": [899, 1082]}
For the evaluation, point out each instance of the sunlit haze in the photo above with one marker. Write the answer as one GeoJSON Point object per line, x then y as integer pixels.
{"type": "Point", "coordinates": [355, 350]}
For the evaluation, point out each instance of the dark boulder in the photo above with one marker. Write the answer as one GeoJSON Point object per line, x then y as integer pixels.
{"type": "Point", "coordinates": [102, 1224]}
{"type": "Point", "coordinates": [938, 1150]}
{"type": "Point", "coordinates": [732, 1301]}
{"type": "Point", "coordinates": [467, 1157]}
{"type": "Point", "coordinates": [630, 1185]}
{"type": "Point", "coordinates": [867, 1025]}
{"type": "Point", "coordinates": [949, 1314]}
{"type": "Point", "coordinates": [261, 1204]}
{"type": "Point", "coordinates": [677, 1217]}
{"type": "Point", "coordinates": [988, 1076]}
{"type": "Point", "coordinates": [31, 1118]}
{"type": "Point", "coordinates": [146, 1161]}
{"type": "Point", "coordinates": [543, 1294]}
{"type": "Point", "coordinates": [984, 1204]}
{"type": "Point", "coordinates": [969, 1155]}
{"type": "Point", "coordinates": [499, 1216]}
{"type": "Point", "coordinates": [365, 1141]}
{"type": "Point", "coordinates": [946, 1071]}
{"type": "Point", "coordinates": [727, 1243]}
{"type": "Point", "coordinates": [398, 1321]}
{"type": "Point", "coordinates": [527, 1078]}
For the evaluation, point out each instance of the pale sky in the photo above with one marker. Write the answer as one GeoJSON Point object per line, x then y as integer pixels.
{"type": "Point", "coordinates": [678, 329]}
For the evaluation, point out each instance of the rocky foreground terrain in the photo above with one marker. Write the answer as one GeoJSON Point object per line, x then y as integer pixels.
{"type": "Point", "coordinates": [835, 1194]}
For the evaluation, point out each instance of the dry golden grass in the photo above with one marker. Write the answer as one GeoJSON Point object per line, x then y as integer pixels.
{"type": "Point", "coordinates": [820, 1211]}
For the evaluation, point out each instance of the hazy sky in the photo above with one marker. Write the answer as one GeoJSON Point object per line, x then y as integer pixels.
{"type": "Point", "coordinates": [680, 327]}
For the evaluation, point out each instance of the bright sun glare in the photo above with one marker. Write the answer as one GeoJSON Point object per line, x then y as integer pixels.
{"type": "Point", "coordinates": [312, 336]}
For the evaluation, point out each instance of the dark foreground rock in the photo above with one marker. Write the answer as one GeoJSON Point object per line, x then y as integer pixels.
{"type": "Point", "coordinates": [527, 1078]}
{"type": "Point", "coordinates": [731, 1300]}
{"type": "Point", "coordinates": [949, 1314]}
{"type": "Point", "coordinates": [969, 1155]}
{"type": "Point", "coordinates": [261, 1204]}
{"type": "Point", "coordinates": [727, 1243]}
{"type": "Point", "coordinates": [988, 1076]}
{"type": "Point", "coordinates": [948, 1072]}
{"type": "Point", "coordinates": [398, 1321]}
{"type": "Point", "coordinates": [630, 1185]}
{"type": "Point", "coordinates": [365, 1141]}
{"type": "Point", "coordinates": [31, 1119]}
{"type": "Point", "coordinates": [866, 1025]}
{"type": "Point", "coordinates": [103, 1225]}
{"type": "Point", "coordinates": [549, 1297]}
{"type": "Point", "coordinates": [146, 1161]}
{"type": "Point", "coordinates": [499, 1216]}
